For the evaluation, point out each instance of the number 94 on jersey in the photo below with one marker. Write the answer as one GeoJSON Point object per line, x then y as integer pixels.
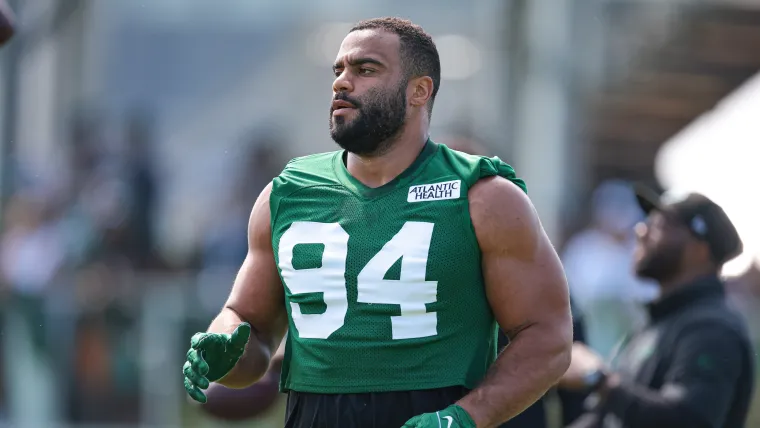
{"type": "Point", "coordinates": [411, 291]}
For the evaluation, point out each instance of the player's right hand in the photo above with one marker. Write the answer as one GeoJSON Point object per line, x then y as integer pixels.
{"type": "Point", "coordinates": [211, 357]}
{"type": "Point", "coordinates": [453, 416]}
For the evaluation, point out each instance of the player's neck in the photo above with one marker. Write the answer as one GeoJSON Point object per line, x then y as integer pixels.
{"type": "Point", "coordinates": [375, 171]}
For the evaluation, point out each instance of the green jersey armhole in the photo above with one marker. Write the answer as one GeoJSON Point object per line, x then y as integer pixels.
{"type": "Point", "coordinates": [494, 166]}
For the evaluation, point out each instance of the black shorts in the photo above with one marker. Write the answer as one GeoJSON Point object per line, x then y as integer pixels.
{"type": "Point", "coordinates": [366, 410]}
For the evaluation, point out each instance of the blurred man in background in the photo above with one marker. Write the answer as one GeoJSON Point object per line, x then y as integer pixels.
{"type": "Point", "coordinates": [365, 348]}
{"type": "Point", "coordinates": [597, 263]}
{"type": "Point", "coordinates": [692, 366]}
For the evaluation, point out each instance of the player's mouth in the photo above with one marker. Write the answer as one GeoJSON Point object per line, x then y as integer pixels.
{"type": "Point", "coordinates": [340, 107]}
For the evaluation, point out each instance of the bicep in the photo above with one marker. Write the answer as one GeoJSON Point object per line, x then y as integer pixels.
{"type": "Point", "coordinates": [257, 294]}
{"type": "Point", "coordinates": [524, 280]}
{"type": "Point", "coordinates": [526, 292]}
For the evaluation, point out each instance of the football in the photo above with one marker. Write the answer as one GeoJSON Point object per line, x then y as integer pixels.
{"type": "Point", "coordinates": [241, 404]}
{"type": "Point", "coordinates": [7, 20]}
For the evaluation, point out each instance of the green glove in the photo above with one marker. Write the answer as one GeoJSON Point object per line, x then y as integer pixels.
{"type": "Point", "coordinates": [211, 357]}
{"type": "Point", "coordinates": [451, 417]}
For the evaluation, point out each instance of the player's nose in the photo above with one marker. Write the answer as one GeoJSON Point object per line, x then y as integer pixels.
{"type": "Point", "coordinates": [342, 83]}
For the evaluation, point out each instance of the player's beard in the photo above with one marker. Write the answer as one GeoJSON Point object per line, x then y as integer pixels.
{"type": "Point", "coordinates": [379, 119]}
{"type": "Point", "coordinates": [661, 264]}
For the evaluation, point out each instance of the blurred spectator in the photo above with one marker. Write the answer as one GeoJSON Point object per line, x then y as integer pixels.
{"type": "Point", "coordinates": [105, 222]}
{"type": "Point", "coordinates": [225, 242]}
{"type": "Point", "coordinates": [744, 294]}
{"type": "Point", "coordinates": [31, 254]}
{"type": "Point", "coordinates": [142, 189]}
{"type": "Point", "coordinates": [692, 366]}
{"type": "Point", "coordinates": [597, 264]}
{"type": "Point", "coordinates": [103, 381]}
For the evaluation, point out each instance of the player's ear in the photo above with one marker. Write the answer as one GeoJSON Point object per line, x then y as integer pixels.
{"type": "Point", "coordinates": [422, 90]}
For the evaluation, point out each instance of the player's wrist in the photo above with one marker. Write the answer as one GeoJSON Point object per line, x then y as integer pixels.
{"type": "Point", "coordinates": [462, 417]}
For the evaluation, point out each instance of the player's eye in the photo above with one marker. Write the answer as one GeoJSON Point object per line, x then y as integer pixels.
{"type": "Point", "coordinates": [337, 72]}
{"type": "Point", "coordinates": [365, 71]}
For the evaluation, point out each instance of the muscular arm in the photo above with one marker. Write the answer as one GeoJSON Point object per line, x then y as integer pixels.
{"type": "Point", "coordinates": [257, 297]}
{"type": "Point", "coordinates": [527, 291]}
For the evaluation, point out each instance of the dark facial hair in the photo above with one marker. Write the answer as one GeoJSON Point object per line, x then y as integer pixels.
{"type": "Point", "coordinates": [662, 263]}
{"type": "Point", "coordinates": [380, 117]}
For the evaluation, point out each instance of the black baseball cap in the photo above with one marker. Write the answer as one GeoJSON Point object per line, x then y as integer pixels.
{"type": "Point", "coordinates": [705, 219]}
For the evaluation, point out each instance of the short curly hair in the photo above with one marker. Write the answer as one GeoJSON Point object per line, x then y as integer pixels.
{"type": "Point", "coordinates": [417, 49]}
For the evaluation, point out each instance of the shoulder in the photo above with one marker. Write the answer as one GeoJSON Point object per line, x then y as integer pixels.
{"type": "Point", "coordinates": [704, 339]}
{"type": "Point", "coordinates": [305, 171]}
{"type": "Point", "coordinates": [314, 163]}
{"type": "Point", "coordinates": [499, 196]}
{"type": "Point", "coordinates": [709, 328]}
{"type": "Point", "coordinates": [503, 215]}
{"type": "Point", "coordinates": [472, 168]}
{"type": "Point", "coordinates": [714, 316]}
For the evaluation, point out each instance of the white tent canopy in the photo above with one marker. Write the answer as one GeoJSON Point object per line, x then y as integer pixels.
{"type": "Point", "coordinates": [718, 155]}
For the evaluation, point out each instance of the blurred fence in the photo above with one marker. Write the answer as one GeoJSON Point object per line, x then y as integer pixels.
{"type": "Point", "coordinates": [114, 366]}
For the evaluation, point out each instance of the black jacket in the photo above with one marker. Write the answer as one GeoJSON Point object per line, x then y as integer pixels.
{"type": "Point", "coordinates": [691, 367]}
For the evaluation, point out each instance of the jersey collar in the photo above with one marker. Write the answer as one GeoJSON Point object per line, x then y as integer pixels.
{"type": "Point", "coordinates": [362, 190]}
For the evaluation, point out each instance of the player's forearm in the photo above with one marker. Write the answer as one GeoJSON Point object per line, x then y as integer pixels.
{"type": "Point", "coordinates": [532, 363]}
{"type": "Point", "coordinates": [255, 361]}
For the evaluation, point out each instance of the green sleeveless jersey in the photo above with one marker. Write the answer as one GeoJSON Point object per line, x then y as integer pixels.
{"type": "Point", "coordinates": [383, 286]}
